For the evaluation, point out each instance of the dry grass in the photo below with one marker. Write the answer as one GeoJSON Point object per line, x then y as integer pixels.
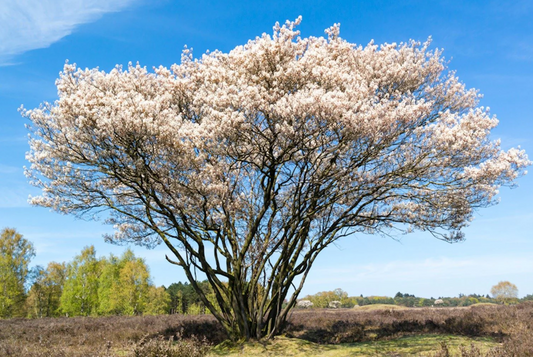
{"type": "Point", "coordinates": [422, 345]}
{"type": "Point", "coordinates": [374, 307]}
{"type": "Point", "coordinates": [496, 330]}
{"type": "Point", "coordinates": [106, 336]}
{"type": "Point", "coordinates": [483, 304]}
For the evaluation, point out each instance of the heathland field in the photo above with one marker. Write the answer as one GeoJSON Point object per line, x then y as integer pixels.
{"type": "Point", "coordinates": [486, 330]}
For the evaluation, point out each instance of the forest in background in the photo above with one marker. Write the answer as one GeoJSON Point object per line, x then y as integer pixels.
{"type": "Point", "coordinates": [121, 285]}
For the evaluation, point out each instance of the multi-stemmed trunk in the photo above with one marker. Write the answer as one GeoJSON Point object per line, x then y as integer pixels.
{"type": "Point", "coordinates": [248, 307]}
{"type": "Point", "coordinates": [248, 164]}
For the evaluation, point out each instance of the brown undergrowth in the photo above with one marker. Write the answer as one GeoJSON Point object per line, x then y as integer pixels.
{"type": "Point", "coordinates": [178, 335]}
{"type": "Point", "coordinates": [510, 325]}
{"type": "Point", "coordinates": [164, 336]}
{"type": "Point", "coordinates": [325, 327]}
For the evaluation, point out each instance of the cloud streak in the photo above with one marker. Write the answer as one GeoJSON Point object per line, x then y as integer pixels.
{"type": "Point", "coordinates": [33, 24]}
{"type": "Point", "coordinates": [6, 169]}
{"type": "Point", "coordinates": [13, 198]}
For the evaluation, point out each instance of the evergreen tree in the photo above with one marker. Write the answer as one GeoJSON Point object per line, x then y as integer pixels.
{"type": "Point", "coordinates": [185, 300]}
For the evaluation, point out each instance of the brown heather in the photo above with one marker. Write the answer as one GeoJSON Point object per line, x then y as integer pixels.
{"type": "Point", "coordinates": [510, 325]}
{"type": "Point", "coordinates": [178, 335]}
{"type": "Point", "coordinates": [110, 336]}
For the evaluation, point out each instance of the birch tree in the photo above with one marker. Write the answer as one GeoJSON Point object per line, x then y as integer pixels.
{"type": "Point", "coordinates": [124, 285]}
{"type": "Point", "coordinates": [45, 293]}
{"type": "Point", "coordinates": [248, 164]}
{"type": "Point", "coordinates": [16, 253]}
{"type": "Point", "coordinates": [80, 289]}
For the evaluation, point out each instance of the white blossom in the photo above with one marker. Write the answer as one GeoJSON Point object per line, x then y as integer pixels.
{"type": "Point", "coordinates": [267, 154]}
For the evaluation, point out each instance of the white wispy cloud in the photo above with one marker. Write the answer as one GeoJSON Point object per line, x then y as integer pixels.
{"type": "Point", "coordinates": [13, 197]}
{"type": "Point", "coordinates": [7, 169]}
{"type": "Point", "coordinates": [33, 24]}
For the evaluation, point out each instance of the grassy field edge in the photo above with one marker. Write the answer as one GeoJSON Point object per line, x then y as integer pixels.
{"type": "Point", "coordinates": [417, 345]}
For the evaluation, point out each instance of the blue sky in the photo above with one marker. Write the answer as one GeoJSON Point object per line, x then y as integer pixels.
{"type": "Point", "coordinates": [488, 43]}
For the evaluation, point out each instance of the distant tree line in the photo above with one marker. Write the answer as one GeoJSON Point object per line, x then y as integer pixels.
{"type": "Point", "coordinates": [93, 286]}
{"type": "Point", "coordinates": [324, 299]}
{"type": "Point", "coordinates": [86, 286]}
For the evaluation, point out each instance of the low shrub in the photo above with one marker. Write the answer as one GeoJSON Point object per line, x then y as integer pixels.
{"type": "Point", "coordinates": [179, 335]}
{"type": "Point", "coordinates": [106, 336]}
{"type": "Point", "coordinates": [353, 325]}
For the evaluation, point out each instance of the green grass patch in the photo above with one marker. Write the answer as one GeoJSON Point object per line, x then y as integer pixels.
{"type": "Point", "coordinates": [420, 345]}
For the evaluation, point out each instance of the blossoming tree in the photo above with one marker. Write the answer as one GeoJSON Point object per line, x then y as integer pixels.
{"type": "Point", "coordinates": [248, 164]}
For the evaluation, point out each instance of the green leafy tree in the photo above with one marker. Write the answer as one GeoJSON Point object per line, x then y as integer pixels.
{"type": "Point", "coordinates": [134, 284]}
{"type": "Point", "coordinates": [425, 302]}
{"type": "Point", "coordinates": [35, 302]}
{"type": "Point", "coordinates": [405, 300]}
{"type": "Point", "coordinates": [45, 293]}
{"type": "Point", "coordinates": [124, 286]}
{"type": "Point", "coordinates": [528, 297]}
{"type": "Point", "coordinates": [322, 299]}
{"type": "Point", "coordinates": [110, 283]}
{"type": "Point", "coordinates": [108, 304]}
{"type": "Point", "coordinates": [16, 253]}
{"type": "Point", "coordinates": [158, 301]}
{"type": "Point", "coordinates": [80, 292]}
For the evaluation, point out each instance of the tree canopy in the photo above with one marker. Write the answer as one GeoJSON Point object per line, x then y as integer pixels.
{"type": "Point", "coordinates": [110, 286]}
{"type": "Point", "coordinates": [247, 164]}
{"type": "Point", "coordinates": [504, 291]}
{"type": "Point", "coordinates": [80, 290]}
{"type": "Point", "coordinates": [45, 293]}
{"type": "Point", "coordinates": [16, 253]}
